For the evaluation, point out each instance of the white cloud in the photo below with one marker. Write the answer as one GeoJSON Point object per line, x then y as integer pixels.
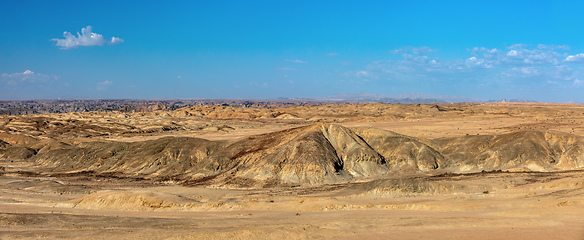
{"type": "Point", "coordinates": [517, 46]}
{"type": "Point", "coordinates": [526, 67]}
{"type": "Point", "coordinates": [422, 50]}
{"type": "Point", "coordinates": [519, 55]}
{"type": "Point", "coordinates": [551, 47]}
{"type": "Point", "coordinates": [412, 67]}
{"type": "Point", "coordinates": [27, 76]}
{"type": "Point", "coordinates": [473, 61]}
{"type": "Point", "coordinates": [295, 61]}
{"type": "Point", "coordinates": [86, 38]}
{"type": "Point", "coordinates": [414, 58]}
{"type": "Point", "coordinates": [116, 40]}
{"type": "Point", "coordinates": [414, 50]}
{"type": "Point", "coordinates": [104, 85]}
{"type": "Point", "coordinates": [477, 62]}
{"type": "Point", "coordinates": [563, 47]}
{"type": "Point", "coordinates": [513, 53]}
{"type": "Point", "coordinates": [519, 64]}
{"type": "Point", "coordinates": [559, 76]}
{"type": "Point", "coordinates": [488, 54]}
{"type": "Point", "coordinates": [530, 71]}
{"type": "Point", "coordinates": [575, 58]}
{"type": "Point", "coordinates": [362, 74]}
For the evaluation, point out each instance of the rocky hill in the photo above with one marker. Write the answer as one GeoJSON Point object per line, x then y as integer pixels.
{"type": "Point", "coordinates": [311, 155]}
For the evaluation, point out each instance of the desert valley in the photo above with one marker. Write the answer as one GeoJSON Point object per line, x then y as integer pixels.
{"type": "Point", "coordinates": [316, 171]}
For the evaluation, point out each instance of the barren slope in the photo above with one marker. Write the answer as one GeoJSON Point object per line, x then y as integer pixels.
{"type": "Point", "coordinates": [313, 155]}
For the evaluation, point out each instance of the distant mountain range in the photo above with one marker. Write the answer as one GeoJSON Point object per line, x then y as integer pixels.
{"type": "Point", "coordinates": [413, 98]}
{"type": "Point", "coordinates": [573, 102]}
{"type": "Point", "coordinates": [14, 107]}
{"type": "Point", "coordinates": [403, 98]}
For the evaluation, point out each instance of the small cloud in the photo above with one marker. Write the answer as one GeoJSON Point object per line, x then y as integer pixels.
{"type": "Point", "coordinates": [518, 55]}
{"type": "Point", "coordinates": [333, 54]}
{"type": "Point", "coordinates": [488, 53]}
{"type": "Point", "coordinates": [513, 53]}
{"type": "Point", "coordinates": [517, 46]}
{"type": "Point", "coordinates": [104, 85]}
{"type": "Point", "coordinates": [422, 50]}
{"type": "Point", "coordinates": [563, 47]}
{"type": "Point", "coordinates": [529, 71]}
{"type": "Point", "coordinates": [26, 76]}
{"type": "Point", "coordinates": [575, 58]}
{"type": "Point", "coordinates": [179, 77]}
{"type": "Point", "coordinates": [477, 62]}
{"type": "Point", "coordinates": [415, 50]}
{"type": "Point", "coordinates": [295, 61]}
{"type": "Point", "coordinates": [362, 74]}
{"type": "Point", "coordinates": [474, 62]}
{"type": "Point", "coordinates": [415, 58]}
{"type": "Point", "coordinates": [552, 47]}
{"type": "Point", "coordinates": [86, 38]}
{"type": "Point", "coordinates": [116, 40]}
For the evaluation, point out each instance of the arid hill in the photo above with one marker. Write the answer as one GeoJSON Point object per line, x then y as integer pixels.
{"type": "Point", "coordinates": [311, 155]}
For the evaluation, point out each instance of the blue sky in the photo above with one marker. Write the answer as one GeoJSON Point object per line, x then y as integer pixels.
{"type": "Point", "coordinates": [269, 49]}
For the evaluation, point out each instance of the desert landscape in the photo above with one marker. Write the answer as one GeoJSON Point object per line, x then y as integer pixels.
{"type": "Point", "coordinates": [291, 120]}
{"type": "Point", "coordinates": [320, 171]}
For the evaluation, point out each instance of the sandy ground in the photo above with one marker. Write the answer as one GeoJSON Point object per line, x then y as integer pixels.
{"type": "Point", "coordinates": [497, 205]}
{"type": "Point", "coordinates": [486, 206]}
